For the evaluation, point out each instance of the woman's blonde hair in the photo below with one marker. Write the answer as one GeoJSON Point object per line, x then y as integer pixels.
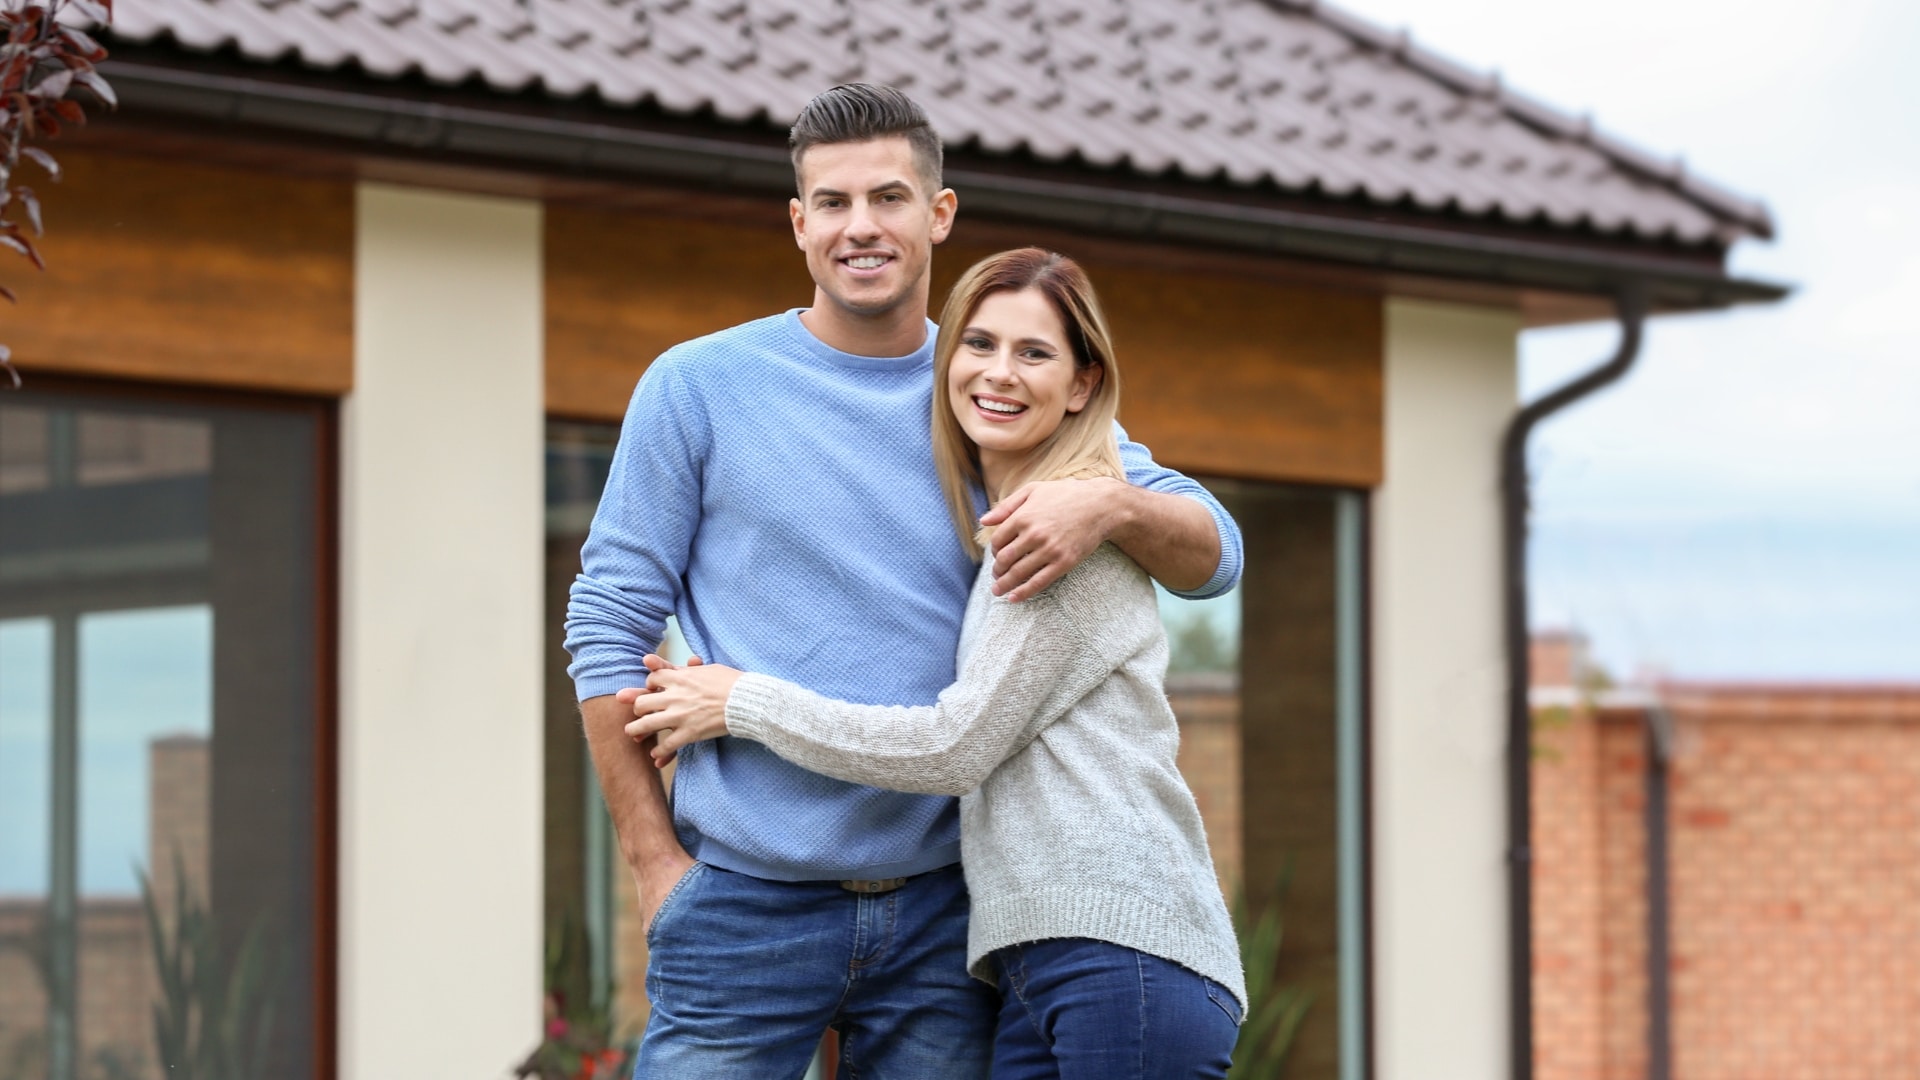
{"type": "Point", "coordinates": [1083, 446]}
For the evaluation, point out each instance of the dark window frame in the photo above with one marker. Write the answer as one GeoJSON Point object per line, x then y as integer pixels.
{"type": "Point", "coordinates": [324, 747]}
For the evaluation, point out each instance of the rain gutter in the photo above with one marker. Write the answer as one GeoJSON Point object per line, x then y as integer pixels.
{"type": "Point", "coordinates": [586, 147]}
{"type": "Point", "coordinates": [1631, 303]}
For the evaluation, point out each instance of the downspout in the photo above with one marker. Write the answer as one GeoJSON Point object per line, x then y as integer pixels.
{"type": "Point", "coordinates": [1659, 919]}
{"type": "Point", "coordinates": [1631, 303]}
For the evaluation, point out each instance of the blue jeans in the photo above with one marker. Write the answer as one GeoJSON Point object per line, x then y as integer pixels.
{"type": "Point", "coordinates": [1088, 1010]}
{"type": "Point", "coordinates": [745, 974]}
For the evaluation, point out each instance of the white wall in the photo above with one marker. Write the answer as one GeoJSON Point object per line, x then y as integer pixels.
{"type": "Point", "coordinates": [440, 652]}
{"type": "Point", "coordinates": [1440, 987]}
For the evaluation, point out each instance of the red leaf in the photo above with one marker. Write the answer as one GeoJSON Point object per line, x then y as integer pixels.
{"type": "Point", "coordinates": [43, 159]}
{"type": "Point", "coordinates": [97, 83]}
{"type": "Point", "coordinates": [70, 111]}
{"type": "Point", "coordinates": [25, 247]}
{"type": "Point", "coordinates": [82, 43]}
{"type": "Point", "coordinates": [54, 85]}
{"type": "Point", "coordinates": [32, 203]}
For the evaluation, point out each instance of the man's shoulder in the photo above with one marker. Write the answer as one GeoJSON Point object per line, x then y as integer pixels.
{"type": "Point", "coordinates": [739, 343]}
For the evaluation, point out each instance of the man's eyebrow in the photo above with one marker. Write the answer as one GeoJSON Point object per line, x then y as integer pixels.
{"type": "Point", "coordinates": [832, 193]}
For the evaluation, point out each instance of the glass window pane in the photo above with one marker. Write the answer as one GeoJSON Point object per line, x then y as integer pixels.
{"type": "Point", "coordinates": [157, 703]}
{"type": "Point", "coordinates": [26, 733]}
{"type": "Point", "coordinates": [146, 704]}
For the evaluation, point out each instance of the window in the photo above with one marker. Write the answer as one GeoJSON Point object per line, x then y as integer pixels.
{"type": "Point", "coordinates": [160, 738]}
{"type": "Point", "coordinates": [1266, 683]}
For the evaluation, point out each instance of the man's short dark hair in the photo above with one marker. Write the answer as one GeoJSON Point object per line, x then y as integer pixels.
{"type": "Point", "coordinates": [861, 112]}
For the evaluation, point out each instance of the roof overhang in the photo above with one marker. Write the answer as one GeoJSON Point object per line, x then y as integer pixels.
{"type": "Point", "coordinates": [409, 125]}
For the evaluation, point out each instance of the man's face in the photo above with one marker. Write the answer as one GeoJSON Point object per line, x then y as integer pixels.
{"type": "Point", "coordinates": [868, 226]}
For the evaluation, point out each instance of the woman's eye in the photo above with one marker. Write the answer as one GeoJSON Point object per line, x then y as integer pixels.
{"type": "Point", "coordinates": [978, 344]}
{"type": "Point", "coordinates": [1036, 356]}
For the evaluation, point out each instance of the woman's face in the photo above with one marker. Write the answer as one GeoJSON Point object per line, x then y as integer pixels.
{"type": "Point", "coordinates": [1013, 378]}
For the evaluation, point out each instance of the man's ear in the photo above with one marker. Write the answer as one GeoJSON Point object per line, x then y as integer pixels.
{"type": "Point", "coordinates": [798, 214]}
{"type": "Point", "coordinates": [1085, 381]}
{"type": "Point", "coordinates": [945, 205]}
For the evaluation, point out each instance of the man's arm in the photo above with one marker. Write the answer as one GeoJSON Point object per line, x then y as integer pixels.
{"type": "Point", "coordinates": [1046, 529]}
{"type": "Point", "coordinates": [637, 802]}
{"type": "Point", "coordinates": [632, 565]}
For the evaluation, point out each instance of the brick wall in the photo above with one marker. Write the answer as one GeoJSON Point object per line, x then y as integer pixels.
{"type": "Point", "coordinates": [1795, 865]}
{"type": "Point", "coordinates": [1208, 708]}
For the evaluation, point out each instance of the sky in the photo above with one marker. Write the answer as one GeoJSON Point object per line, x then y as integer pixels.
{"type": "Point", "coordinates": [1746, 504]}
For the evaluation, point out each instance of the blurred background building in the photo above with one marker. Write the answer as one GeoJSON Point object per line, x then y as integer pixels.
{"type": "Point", "coordinates": [1735, 860]}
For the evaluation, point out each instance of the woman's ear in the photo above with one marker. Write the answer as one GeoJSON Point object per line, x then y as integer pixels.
{"type": "Point", "coordinates": [1085, 381]}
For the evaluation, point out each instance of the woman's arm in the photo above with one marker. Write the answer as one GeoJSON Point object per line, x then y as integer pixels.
{"type": "Point", "coordinates": [1033, 662]}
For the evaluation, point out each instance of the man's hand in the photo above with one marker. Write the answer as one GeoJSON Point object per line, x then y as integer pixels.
{"type": "Point", "coordinates": [657, 880]}
{"type": "Point", "coordinates": [1043, 530]}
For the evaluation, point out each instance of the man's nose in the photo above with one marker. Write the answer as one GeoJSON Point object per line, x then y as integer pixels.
{"type": "Point", "coordinates": [862, 226]}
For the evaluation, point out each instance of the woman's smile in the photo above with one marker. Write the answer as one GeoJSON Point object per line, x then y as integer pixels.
{"type": "Point", "coordinates": [998, 409]}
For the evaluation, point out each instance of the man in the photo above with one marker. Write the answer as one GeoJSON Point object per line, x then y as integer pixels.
{"type": "Point", "coordinates": [754, 465]}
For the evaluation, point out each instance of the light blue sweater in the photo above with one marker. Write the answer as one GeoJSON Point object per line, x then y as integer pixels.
{"type": "Point", "coordinates": [779, 497]}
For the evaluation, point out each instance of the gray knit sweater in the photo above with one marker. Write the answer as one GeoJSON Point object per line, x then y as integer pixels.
{"type": "Point", "coordinates": [1074, 821]}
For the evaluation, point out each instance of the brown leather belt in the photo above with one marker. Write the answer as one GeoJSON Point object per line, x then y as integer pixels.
{"type": "Point", "coordinates": [873, 885]}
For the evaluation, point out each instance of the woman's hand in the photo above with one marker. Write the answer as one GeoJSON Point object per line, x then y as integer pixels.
{"type": "Point", "coordinates": [679, 706]}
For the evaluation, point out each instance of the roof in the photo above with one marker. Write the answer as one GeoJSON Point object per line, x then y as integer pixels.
{"type": "Point", "coordinates": [1242, 93]}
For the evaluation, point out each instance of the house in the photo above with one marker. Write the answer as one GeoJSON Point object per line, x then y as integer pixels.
{"type": "Point", "coordinates": [345, 302]}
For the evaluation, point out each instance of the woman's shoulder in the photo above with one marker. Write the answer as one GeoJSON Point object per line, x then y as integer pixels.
{"type": "Point", "coordinates": [1106, 585]}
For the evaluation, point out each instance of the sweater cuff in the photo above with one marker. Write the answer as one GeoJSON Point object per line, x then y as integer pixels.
{"type": "Point", "coordinates": [749, 704]}
{"type": "Point", "coordinates": [593, 686]}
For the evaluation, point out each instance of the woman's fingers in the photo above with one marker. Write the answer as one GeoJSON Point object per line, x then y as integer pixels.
{"type": "Point", "coordinates": [653, 722]}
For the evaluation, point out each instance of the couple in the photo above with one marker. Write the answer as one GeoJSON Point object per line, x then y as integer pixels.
{"type": "Point", "coordinates": [779, 487]}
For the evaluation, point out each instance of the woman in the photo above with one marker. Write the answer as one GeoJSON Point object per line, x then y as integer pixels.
{"type": "Point", "coordinates": [1095, 907]}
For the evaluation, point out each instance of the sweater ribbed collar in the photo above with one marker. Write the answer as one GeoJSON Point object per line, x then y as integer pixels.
{"type": "Point", "coordinates": [827, 354]}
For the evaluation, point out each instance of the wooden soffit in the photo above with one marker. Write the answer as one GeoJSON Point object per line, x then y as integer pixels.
{"type": "Point", "coordinates": [193, 274]}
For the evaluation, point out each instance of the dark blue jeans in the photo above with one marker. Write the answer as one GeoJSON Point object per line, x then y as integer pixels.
{"type": "Point", "coordinates": [1075, 1009]}
{"type": "Point", "coordinates": [744, 974]}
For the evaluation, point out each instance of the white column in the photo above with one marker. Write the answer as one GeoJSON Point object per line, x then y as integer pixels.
{"type": "Point", "coordinates": [1440, 986]}
{"type": "Point", "coordinates": [440, 650]}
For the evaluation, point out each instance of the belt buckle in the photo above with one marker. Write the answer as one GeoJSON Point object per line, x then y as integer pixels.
{"type": "Point", "coordinates": [869, 886]}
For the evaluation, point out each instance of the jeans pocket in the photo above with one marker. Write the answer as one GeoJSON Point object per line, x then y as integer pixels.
{"type": "Point", "coordinates": [1227, 1002]}
{"type": "Point", "coordinates": [673, 896]}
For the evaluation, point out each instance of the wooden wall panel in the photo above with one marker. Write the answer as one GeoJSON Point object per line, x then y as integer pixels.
{"type": "Point", "coordinates": [1225, 375]}
{"type": "Point", "coordinates": [621, 288]}
{"type": "Point", "coordinates": [182, 273]}
{"type": "Point", "coordinates": [1237, 376]}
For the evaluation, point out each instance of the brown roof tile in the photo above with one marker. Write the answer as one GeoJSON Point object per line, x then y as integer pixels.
{"type": "Point", "coordinates": [1289, 92]}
